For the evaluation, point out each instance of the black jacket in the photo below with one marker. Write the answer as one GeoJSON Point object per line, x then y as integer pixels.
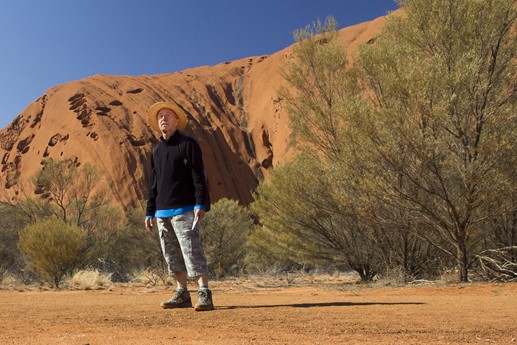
{"type": "Point", "coordinates": [177, 176]}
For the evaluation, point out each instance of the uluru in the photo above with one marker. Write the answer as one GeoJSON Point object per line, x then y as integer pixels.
{"type": "Point", "coordinates": [232, 108]}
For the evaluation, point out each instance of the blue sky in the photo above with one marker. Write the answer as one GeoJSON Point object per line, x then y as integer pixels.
{"type": "Point", "coordinates": [48, 43]}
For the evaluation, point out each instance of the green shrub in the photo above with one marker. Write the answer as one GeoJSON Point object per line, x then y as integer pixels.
{"type": "Point", "coordinates": [52, 248]}
{"type": "Point", "coordinates": [224, 231]}
{"type": "Point", "coordinates": [8, 250]}
{"type": "Point", "coordinates": [121, 248]}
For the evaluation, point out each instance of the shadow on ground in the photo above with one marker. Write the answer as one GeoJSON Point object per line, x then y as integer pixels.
{"type": "Point", "coordinates": [315, 305]}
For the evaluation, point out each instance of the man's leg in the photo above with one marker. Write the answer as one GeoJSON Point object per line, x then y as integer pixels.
{"type": "Point", "coordinates": [204, 301]}
{"type": "Point", "coordinates": [194, 257]}
{"type": "Point", "coordinates": [181, 279]}
{"type": "Point", "coordinates": [203, 280]}
{"type": "Point", "coordinates": [191, 248]}
{"type": "Point", "coordinates": [175, 264]}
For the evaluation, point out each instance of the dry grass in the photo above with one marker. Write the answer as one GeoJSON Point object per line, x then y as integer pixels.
{"type": "Point", "coordinates": [90, 280]}
{"type": "Point", "coordinates": [153, 277]}
{"type": "Point", "coordinates": [8, 279]}
{"type": "Point", "coordinates": [156, 278]}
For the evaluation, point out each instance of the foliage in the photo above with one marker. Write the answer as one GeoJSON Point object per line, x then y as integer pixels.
{"type": "Point", "coordinates": [269, 251]}
{"type": "Point", "coordinates": [312, 220]}
{"type": "Point", "coordinates": [73, 194]}
{"type": "Point", "coordinates": [321, 88]}
{"type": "Point", "coordinates": [409, 158]}
{"type": "Point", "coordinates": [8, 238]}
{"type": "Point", "coordinates": [320, 203]}
{"type": "Point", "coordinates": [439, 117]}
{"type": "Point", "coordinates": [124, 247]}
{"type": "Point", "coordinates": [72, 189]}
{"type": "Point", "coordinates": [52, 248]}
{"type": "Point", "coordinates": [224, 232]}
{"type": "Point", "coordinates": [13, 218]}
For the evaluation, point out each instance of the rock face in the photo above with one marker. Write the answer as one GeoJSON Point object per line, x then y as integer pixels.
{"type": "Point", "coordinates": [232, 108]}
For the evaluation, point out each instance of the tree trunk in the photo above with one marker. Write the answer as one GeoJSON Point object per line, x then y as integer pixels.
{"type": "Point", "coordinates": [462, 256]}
{"type": "Point", "coordinates": [365, 272]}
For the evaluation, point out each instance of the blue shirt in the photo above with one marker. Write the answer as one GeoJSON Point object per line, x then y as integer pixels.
{"type": "Point", "coordinates": [172, 212]}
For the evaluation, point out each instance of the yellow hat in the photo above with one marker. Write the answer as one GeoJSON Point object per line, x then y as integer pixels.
{"type": "Point", "coordinates": [152, 115]}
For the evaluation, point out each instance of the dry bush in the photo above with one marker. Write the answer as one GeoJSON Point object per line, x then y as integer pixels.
{"type": "Point", "coordinates": [391, 277]}
{"type": "Point", "coordinates": [52, 248]}
{"type": "Point", "coordinates": [7, 279]}
{"type": "Point", "coordinates": [153, 277]}
{"type": "Point", "coordinates": [90, 279]}
{"type": "Point", "coordinates": [449, 276]}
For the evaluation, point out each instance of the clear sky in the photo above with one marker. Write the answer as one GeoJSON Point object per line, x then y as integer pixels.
{"type": "Point", "coordinates": [48, 43]}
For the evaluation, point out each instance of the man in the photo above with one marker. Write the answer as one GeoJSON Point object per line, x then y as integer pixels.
{"type": "Point", "coordinates": [177, 197]}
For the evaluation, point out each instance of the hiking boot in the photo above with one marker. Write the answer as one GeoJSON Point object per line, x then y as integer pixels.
{"type": "Point", "coordinates": [180, 300]}
{"type": "Point", "coordinates": [204, 301]}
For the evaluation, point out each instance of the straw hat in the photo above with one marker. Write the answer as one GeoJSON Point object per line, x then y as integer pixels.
{"type": "Point", "coordinates": [152, 115]}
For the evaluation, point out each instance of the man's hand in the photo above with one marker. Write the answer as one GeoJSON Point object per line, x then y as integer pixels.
{"type": "Point", "coordinates": [199, 214]}
{"type": "Point", "coordinates": [149, 224]}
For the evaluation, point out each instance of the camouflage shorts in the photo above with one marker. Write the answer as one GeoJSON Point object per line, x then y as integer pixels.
{"type": "Point", "coordinates": [181, 245]}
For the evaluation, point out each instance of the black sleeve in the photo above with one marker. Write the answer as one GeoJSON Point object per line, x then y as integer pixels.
{"type": "Point", "coordinates": [198, 173]}
{"type": "Point", "coordinates": [151, 190]}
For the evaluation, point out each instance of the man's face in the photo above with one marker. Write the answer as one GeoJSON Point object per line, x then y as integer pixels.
{"type": "Point", "coordinates": [167, 121]}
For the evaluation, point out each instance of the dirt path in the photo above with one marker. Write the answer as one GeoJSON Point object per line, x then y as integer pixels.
{"type": "Point", "coordinates": [249, 314]}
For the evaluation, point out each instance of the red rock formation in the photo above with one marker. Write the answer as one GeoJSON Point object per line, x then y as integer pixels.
{"type": "Point", "coordinates": [232, 110]}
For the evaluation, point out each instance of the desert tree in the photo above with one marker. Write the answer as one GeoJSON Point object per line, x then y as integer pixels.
{"type": "Point", "coordinates": [438, 118]}
{"type": "Point", "coordinates": [72, 189]}
{"type": "Point", "coordinates": [334, 204]}
{"type": "Point", "coordinates": [312, 221]}
{"type": "Point", "coordinates": [317, 99]}
{"type": "Point", "coordinates": [63, 189]}
{"type": "Point", "coordinates": [317, 88]}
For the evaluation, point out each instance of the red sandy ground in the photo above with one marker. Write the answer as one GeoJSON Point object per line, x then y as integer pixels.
{"type": "Point", "coordinates": [255, 312]}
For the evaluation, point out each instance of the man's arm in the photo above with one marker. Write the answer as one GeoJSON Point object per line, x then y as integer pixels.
{"type": "Point", "coordinates": [198, 174]}
{"type": "Point", "coordinates": [151, 196]}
